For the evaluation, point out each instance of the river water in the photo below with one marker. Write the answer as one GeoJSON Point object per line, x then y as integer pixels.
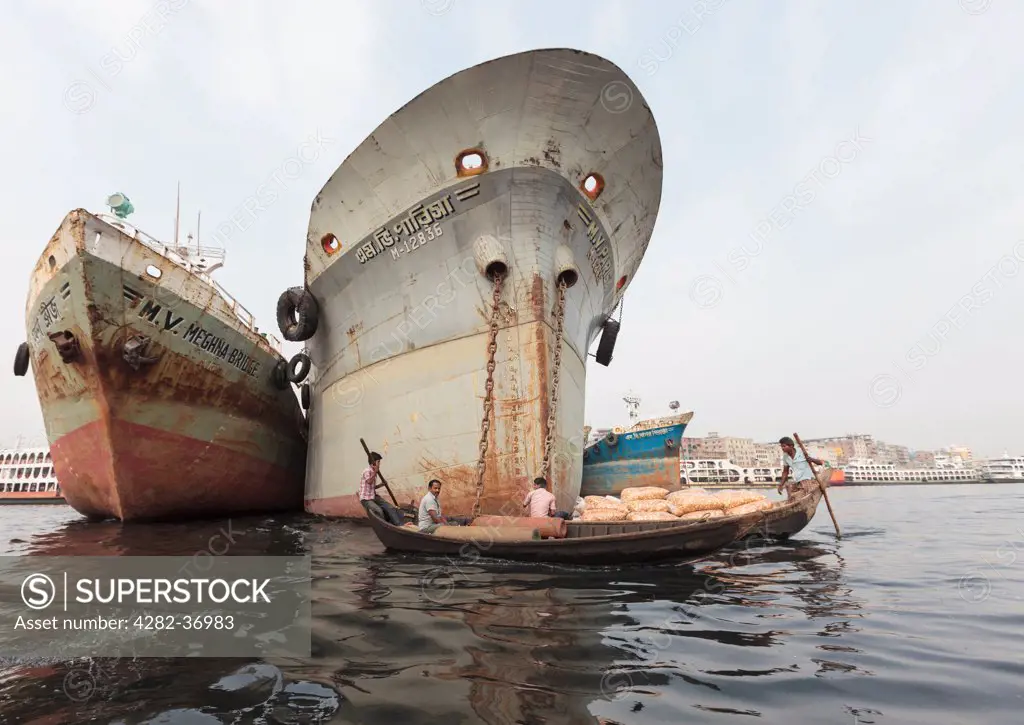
{"type": "Point", "coordinates": [915, 616]}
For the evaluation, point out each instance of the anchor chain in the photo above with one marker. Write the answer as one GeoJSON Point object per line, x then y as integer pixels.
{"type": "Point", "coordinates": [485, 425]}
{"type": "Point", "coordinates": [553, 407]}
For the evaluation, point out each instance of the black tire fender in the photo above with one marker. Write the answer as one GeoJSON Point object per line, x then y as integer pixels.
{"type": "Point", "coordinates": [298, 314]}
{"type": "Point", "coordinates": [298, 368]}
{"type": "Point", "coordinates": [607, 343]}
{"type": "Point", "coordinates": [279, 375]}
{"type": "Point", "coordinates": [612, 438]}
{"type": "Point", "coordinates": [21, 360]}
{"type": "Point", "coordinates": [304, 396]}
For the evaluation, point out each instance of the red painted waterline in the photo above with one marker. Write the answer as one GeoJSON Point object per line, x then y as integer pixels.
{"type": "Point", "coordinates": [133, 471]}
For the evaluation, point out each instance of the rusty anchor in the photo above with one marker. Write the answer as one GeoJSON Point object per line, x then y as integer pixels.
{"type": "Point", "coordinates": [67, 345]}
{"type": "Point", "coordinates": [134, 351]}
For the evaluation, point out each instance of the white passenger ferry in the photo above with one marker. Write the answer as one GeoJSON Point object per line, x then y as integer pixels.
{"type": "Point", "coordinates": [860, 471]}
{"type": "Point", "coordinates": [27, 476]}
{"type": "Point", "coordinates": [1002, 470]}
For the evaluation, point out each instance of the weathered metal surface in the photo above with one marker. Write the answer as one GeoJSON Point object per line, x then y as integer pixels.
{"type": "Point", "coordinates": [399, 355]}
{"type": "Point", "coordinates": [645, 457]}
{"type": "Point", "coordinates": [189, 422]}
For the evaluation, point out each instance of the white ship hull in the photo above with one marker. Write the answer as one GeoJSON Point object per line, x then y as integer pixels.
{"type": "Point", "coordinates": [400, 241]}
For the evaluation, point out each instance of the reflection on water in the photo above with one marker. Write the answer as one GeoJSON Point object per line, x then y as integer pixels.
{"type": "Point", "coordinates": [867, 629]}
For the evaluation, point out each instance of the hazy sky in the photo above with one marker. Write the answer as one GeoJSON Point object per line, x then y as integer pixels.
{"type": "Point", "coordinates": [841, 236]}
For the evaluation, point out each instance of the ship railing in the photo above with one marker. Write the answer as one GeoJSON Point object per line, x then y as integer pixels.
{"type": "Point", "coordinates": [184, 256]}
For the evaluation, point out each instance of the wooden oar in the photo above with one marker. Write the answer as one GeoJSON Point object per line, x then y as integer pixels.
{"type": "Point", "coordinates": [384, 481]}
{"type": "Point", "coordinates": [820, 484]}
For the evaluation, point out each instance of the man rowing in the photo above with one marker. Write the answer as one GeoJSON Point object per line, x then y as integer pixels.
{"type": "Point", "coordinates": [368, 497]}
{"type": "Point", "coordinates": [794, 461]}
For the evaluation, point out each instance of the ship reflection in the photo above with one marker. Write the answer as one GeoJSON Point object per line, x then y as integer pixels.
{"type": "Point", "coordinates": [419, 640]}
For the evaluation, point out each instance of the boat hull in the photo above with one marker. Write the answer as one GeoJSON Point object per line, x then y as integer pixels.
{"type": "Point", "coordinates": [31, 498]}
{"type": "Point", "coordinates": [586, 543]}
{"type": "Point", "coordinates": [195, 425]}
{"type": "Point", "coordinates": [633, 458]}
{"type": "Point", "coordinates": [794, 515]}
{"type": "Point", "coordinates": [399, 244]}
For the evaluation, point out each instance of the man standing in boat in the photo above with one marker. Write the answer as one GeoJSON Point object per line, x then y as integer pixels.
{"type": "Point", "coordinates": [795, 462]}
{"type": "Point", "coordinates": [374, 504]}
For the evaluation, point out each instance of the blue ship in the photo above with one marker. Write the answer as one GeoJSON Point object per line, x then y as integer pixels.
{"type": "Point", "coordinates": [646, 454]}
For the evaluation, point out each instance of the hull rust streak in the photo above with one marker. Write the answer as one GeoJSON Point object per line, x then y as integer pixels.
{"type": "Point", "coordinates": [162, 405]}
{"type": "Point", "coordinates": [398, 243]}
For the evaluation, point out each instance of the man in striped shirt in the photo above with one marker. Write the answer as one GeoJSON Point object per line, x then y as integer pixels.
{"type": "Point", "coordinates": [368, 497]}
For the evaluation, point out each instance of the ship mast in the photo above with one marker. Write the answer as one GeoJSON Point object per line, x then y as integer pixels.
{"type": "Point", "coordinates": [177, 215]}
{"type": "Point", "coordinates": [633, 406]}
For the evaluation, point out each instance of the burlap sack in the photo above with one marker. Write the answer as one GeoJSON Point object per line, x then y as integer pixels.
{"type": "Point", "coordinates": [592, 503]}
{"type": "Point", "coordinates": [702, 515]}
{"type": "Point", "coordinates": [749, 508]}
{"type": "Point", "coordinates": [603, 515]}
{"type": "Point", "coordinates": [651, 516]}
{"type": "Point", "coordinates": [651, 504]}
{"type": "Point", "coordinates": [693, 502]}
{"type": "Point", "coordinates": [642, 493]}
{"type": "Point", "coordinates": [731, 499]}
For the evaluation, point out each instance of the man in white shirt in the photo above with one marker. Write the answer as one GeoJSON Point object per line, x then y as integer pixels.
{"type": "Point", "coordinates": [430, 509]}
{"type": "Point", "coordinates": [795, 462]}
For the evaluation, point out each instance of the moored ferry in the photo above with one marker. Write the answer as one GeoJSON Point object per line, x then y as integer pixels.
{"type": "Point", "coordinates": [27, 477]}
{"type": "Point", "coordinates": [860, 472]}
{"type": "Point", "coordinates": [1006, 469]}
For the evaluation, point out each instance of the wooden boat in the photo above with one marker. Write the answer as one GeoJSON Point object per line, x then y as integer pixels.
{"type": "Point", "coordinates": [627, 542]}
{"type": "Point", "coordinates": [790, 518]}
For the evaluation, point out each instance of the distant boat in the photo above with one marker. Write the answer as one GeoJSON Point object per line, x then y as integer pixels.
{"type": "Point", "coordinates": [1001, 470]}
{"type": "Point", "coordinates": [645, 454]}
{"type": "Point", "coordinates": [27, 477]}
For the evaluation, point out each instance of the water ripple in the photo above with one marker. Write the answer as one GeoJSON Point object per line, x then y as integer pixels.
{"type": "Point", "coordinates": [900, 621]}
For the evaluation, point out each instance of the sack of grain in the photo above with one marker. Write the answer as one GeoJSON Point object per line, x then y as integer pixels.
{"type": "Point", "coordinates": [604, 515]}
{"type": "Point", "coordinates": [702, 515]}
{"type": "Point", "coordinates": [651, 516]}
{"type": "Point", "coordinates": [642, 493]}
{"type": "Point", "coordinates": [749, 508]}
{"type": "Point", "coordinates": [650, 504]}
{"type": "Point", "coordinates": [694, 502]}
{"type": "Point", "coordinates": [731, 499]}
{"type": "Point", "coordinates": [592, 503]}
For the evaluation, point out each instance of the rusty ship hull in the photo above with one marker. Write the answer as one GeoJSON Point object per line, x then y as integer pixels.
{"type": "Point", "coordinates": [159, 400]}
{"type": "Point", "coordinates": [502, 179]}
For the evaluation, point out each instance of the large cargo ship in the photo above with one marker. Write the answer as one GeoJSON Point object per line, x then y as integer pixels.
{"type": "Point", "coordinates": [160, 397]}
{"type": "Point", "coordinates": [459, 265]}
